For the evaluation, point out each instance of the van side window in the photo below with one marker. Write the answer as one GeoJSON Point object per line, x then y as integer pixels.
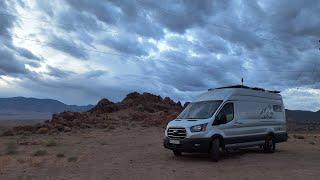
{"type": "Point", "coordinates": [277, 108]}
{"type": "Point", "coordinates": [226, 114]}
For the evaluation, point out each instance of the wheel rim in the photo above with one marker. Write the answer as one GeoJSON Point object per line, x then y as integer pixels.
{"type": "Point", "coordinates": [270, 144]}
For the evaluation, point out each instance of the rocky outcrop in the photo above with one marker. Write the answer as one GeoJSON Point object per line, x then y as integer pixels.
{"type": "Point", "coordinates": [146, 109]}
{"type": "Point", "coordinates": [104, 106]}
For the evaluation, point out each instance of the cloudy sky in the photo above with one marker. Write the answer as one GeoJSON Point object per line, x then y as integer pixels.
{"type": "Point", "coordinates": [78, 51]}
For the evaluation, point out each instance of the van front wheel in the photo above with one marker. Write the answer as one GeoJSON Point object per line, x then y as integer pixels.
{"type": "Point", "coordinates": [177, 153]}
{"type": "Point", "coordinates": [215, 150]}
{"type": "Point", "coordinates": [269, 145]}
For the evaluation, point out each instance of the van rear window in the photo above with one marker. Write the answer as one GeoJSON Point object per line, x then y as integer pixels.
{"type": "Point", "coordinates": [277, 108]}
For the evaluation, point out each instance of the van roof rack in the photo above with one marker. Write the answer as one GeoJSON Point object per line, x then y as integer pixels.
{"type": "Point", "coordinates": [244, 87]}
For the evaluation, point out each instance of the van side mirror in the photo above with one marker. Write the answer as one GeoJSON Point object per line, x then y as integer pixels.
{"type": "Point", "coordinates": [222, 119]}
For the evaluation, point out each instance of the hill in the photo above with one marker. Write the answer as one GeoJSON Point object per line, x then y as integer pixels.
{"type": "Point", "coordinates": [23, 104]}
{"type": "Point", "coordinates": [22, 108]}
{"type": "Point", "coordinates": [298, 120]}
{"type": "Point", "coordinates": [300, 116]}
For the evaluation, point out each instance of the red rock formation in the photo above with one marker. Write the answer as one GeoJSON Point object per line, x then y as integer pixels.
{"type": "Point", "coordinates": [146, 108]}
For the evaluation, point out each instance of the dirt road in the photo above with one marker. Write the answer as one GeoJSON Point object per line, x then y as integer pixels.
{"type": "Point", "coordinates": [137, 153]}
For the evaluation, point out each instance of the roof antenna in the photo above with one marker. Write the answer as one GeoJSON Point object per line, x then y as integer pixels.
{"type": "Point", "coordinates": [242, 81]}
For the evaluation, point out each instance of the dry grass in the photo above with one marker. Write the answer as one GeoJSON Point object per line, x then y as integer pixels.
{"type": "Point", "coordinates": [35, 162]}
{"type": "Point", "coordinates": [103, 143]}
{"type": "Point", "coordinates": [298, 136]}
{"type": "Point", "coordinates": [60, 155]}
{"type": "Point", "coordinates": [312, 143]}
{"type": "Point", "coordinates": [112, 127]}
{"type": "Point", "coordinates": [99, 153]}
{"type": "Point", "coordinates": [21, 161]}
{"type": "Point", "coordinates": [72, 159]}
{"type": "Point", "coordinates": [50, 143]}
{"type": "Point", "coordinates": [40, 153]}
{"type": "Point", "coordinates": [11, 148]}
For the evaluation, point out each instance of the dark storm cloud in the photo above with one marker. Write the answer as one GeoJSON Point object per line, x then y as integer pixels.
{"type": "Point", "coordinates": [56, 72]}
{"type": "Point", "coordinates": [127, 43]}
{"type": "Point", "coordinates": [96, 73]}
{"type": "Point", "coordinates": [6, 21]}
{"type": "Point", "coordinates": [12, 60]}
{"type": "Point", "coordinates": [181, 15]}
{"type": "Point", "coordinates": [74, 20]}
{"type": "Point", "coordinates": [26, 53]}
{"type": "Point", "coordinates": [182, 47]}
{"type": "Point", "coordinates": [103, 10]}
{"type": "Point", "coordinates": [9, 64]}
{"type": "Point", "coordinates": [68, 46]}
{"type": "Point", "coordinates": [127, 15]}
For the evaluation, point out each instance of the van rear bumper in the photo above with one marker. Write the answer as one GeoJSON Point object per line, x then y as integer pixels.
{"type": "Point", "coordinates": [189, 145]}
{"type": "Point", "coordinates": [281, 137]}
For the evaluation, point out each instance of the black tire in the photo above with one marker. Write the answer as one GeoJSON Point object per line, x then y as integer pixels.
{"type": "Point", "coordinates": [215, 150]}
{"type": "Point", "coordinates": [177, 153]}
{"type": "Point", "coordinates": [269, 144]}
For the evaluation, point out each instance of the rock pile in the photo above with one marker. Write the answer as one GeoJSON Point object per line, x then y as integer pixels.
{"type": "Point", "coordinates": [146, 109]}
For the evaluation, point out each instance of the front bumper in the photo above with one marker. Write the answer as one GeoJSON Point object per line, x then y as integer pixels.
{"type": "Point", "coordinates": [201, 145]}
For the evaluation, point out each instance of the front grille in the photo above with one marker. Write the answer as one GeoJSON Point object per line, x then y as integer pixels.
{"type": "Point", "coordinates": [177, 133]}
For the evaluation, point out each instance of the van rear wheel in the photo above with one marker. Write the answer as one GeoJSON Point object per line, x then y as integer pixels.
{"type": "Point", "coordinates": [269, 145]}
{"type": "Point", "coordinates": [215, 150]}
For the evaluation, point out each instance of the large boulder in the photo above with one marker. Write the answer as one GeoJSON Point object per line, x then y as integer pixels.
{"type": "Point", "coordinates": [148, 102]}
{"type": "Point", "coordinates": [104, 106]}
{"type": "Point", "coordinates": [43, 130]}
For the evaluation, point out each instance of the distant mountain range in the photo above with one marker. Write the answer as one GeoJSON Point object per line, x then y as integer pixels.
{"type": "Point", "coordinates": [27, 108]}
{"type": "Point", "coordinates": [32, 108]}
{"type": "Point", "coordinates": [302, 116]}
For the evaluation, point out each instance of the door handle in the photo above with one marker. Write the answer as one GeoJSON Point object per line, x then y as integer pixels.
{"type": "Point", "coordinates": [238, 123]}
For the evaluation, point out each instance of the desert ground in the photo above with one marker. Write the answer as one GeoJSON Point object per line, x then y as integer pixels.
{"type": "Point", "coordinates": [136, 152]}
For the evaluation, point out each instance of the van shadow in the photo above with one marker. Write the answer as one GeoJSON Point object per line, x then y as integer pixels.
{"type": "Point", "coordinates": [229, 155]}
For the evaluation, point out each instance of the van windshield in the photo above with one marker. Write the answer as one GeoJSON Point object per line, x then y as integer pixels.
{"type": "Point", "coordinates": [200, 110]}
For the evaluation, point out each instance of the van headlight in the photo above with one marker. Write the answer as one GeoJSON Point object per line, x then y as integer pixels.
{"type": "Point", "coordinates": [199, 128]}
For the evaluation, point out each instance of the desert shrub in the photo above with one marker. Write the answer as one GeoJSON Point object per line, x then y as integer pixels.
{"type": "Point", "coordinates": [40, 153]}
{"type": "Point", "coordinates": [35, 163]}
{"type": "Point", "coordinates": [21, 161]}
{"type": "Point", "coordinates": [72, 159]}
{"type": "Point", "coordinates": [312, 143]}
{"type": "Point", "coordinates": [298, 136]}
{"type": "Point", "coordinates": [124, 123]}
{"type": "Point", "coordinates": [50, 143]}
{"type": "Point", "coordinates": [60, 155]}
{"type": "Point", "coordinates": [103, 143]}
{"type": "Point", "coordinates": [11, 148]}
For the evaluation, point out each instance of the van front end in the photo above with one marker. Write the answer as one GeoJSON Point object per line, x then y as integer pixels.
{"type": "Point", "coordinates": [187, 136]}
{"type": "Point", "coordinates": [192, 130]}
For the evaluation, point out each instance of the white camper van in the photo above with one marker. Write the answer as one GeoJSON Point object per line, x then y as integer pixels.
{"type": "Point", "coordinates": [228, 118]}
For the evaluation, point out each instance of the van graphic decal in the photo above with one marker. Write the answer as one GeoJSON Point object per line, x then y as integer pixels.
{"type": "Point", "coordinates": [266, 113]}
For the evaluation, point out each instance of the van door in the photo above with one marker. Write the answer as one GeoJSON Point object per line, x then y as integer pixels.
{"type": "Point", "coordinates": [247, 127]}
{"type": "Point", "coordinates": [225, 119]}
{"type": "Point", "coordinates": [237, 131]}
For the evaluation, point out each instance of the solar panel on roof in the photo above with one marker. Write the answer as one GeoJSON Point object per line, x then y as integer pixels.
{"type": "Point", "coordinates": [244, 87]}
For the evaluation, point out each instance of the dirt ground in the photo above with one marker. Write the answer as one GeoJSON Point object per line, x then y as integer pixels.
{"type": "Point", "coordinates": [137, 153]}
